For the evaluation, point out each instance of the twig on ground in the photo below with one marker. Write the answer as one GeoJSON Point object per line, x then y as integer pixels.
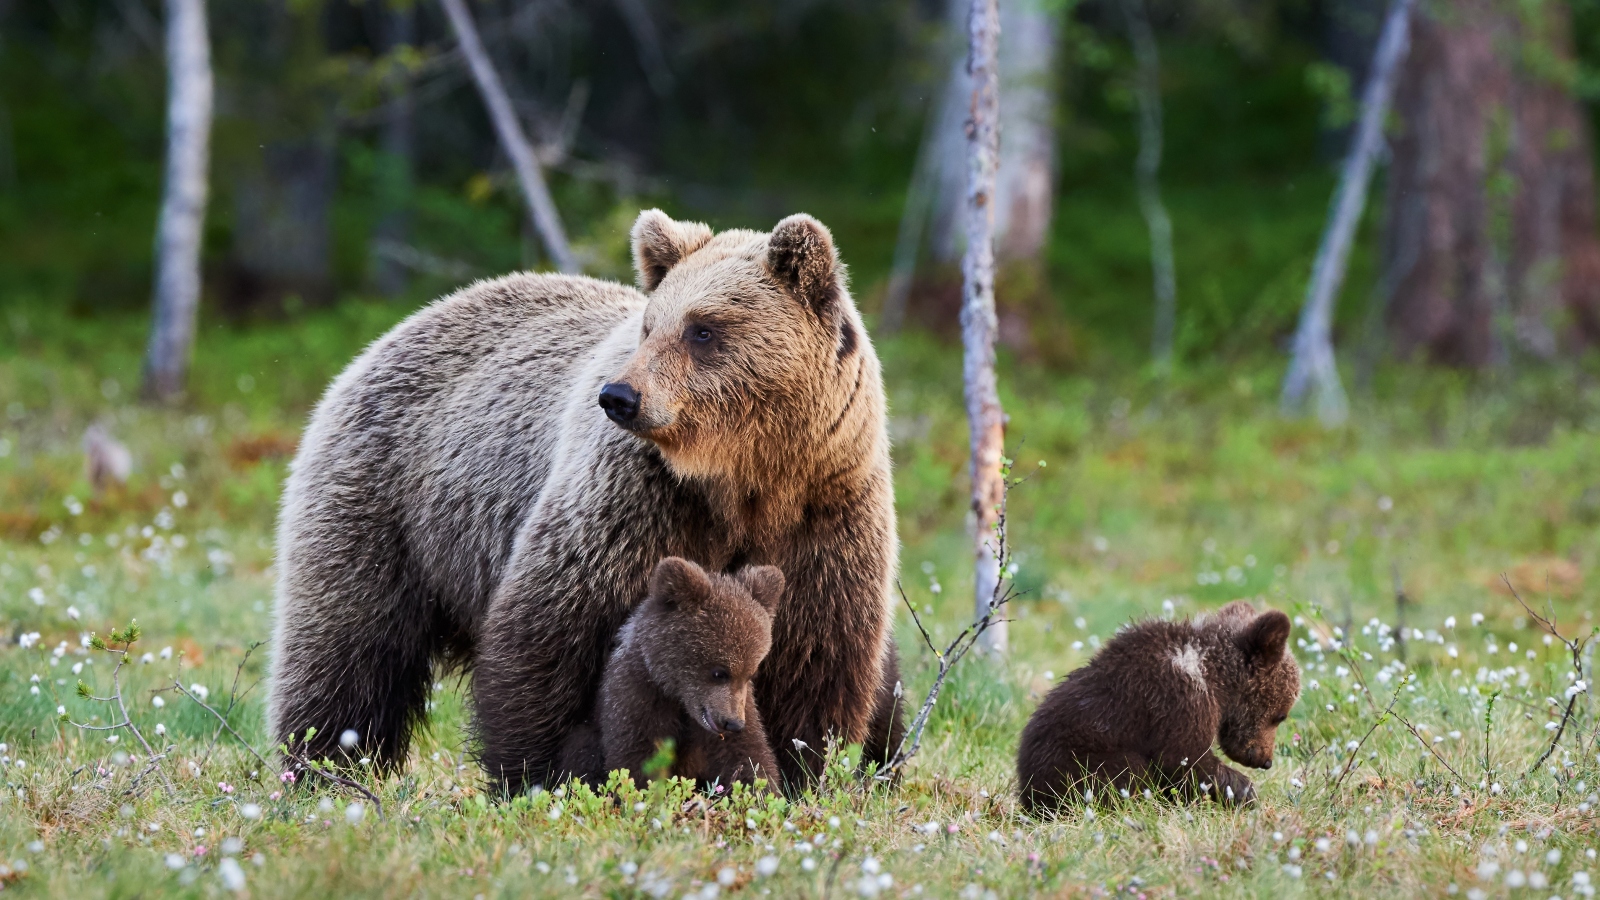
{"type": "Point", "coordinates": [1488, 725]}
{"type": "Point", "coordinates": [1355, 669]}
{"type": "Point", "coordinates": [126, 638]}
{"type": "Point", "coordinates": [224, 726]}
{"type": "Point", "coordinates": [298, 759]}
{"type": "Point", "coordinates": [233, 701]}
{"type": "Point", "coordinates": [1355, 754]}
{"type": "Point", "coordinates": [1004, 592]}
{"type": "Point", "coordinates": [1427, 746]}
{"type": "Point", "coordinates": [1576, 648]}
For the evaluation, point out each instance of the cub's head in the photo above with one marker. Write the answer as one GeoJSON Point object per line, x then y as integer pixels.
{"type": "Point", "coordinates": [704, 635]}
{"type": "Point", "coordinates": [749, 341]}
{"type": "Point", "coordinates": [1266, 687]}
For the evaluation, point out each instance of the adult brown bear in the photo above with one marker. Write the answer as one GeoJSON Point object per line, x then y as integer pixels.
{"type": "Point", "coordinates": [491, 483]}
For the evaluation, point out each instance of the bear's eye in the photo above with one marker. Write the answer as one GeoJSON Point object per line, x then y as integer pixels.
{"type": "Point", "coordinates": [698, 334]}
{"type": "Point", "coordinates": [719, 674]}
{"type": "Point", "coordinates": [1279, 720]}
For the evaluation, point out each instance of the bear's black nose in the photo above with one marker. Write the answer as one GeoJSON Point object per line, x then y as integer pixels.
{"type": "Point", "coordinates": [620, 401]}
{"type": "Point", "coordinates": [732, 726]}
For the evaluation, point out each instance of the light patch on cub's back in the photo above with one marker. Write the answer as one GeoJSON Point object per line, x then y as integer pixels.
{"type": "Point", "coordinates": [1189, 662]}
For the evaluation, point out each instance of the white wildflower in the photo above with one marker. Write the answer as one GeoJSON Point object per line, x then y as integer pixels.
{"type": "Point", "coordinates": [232, 875]}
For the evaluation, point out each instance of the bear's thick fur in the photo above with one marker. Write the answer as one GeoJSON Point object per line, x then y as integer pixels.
{"type": "Point", "coordinates": [684, 670]}
{"type": "Point", "coordinates": [459, 498]}
{"type": "Point", "coordinates": [1146, 710]}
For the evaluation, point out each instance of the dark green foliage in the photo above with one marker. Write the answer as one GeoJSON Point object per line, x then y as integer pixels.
{"type": "Point", "coordinates": [770, 109]}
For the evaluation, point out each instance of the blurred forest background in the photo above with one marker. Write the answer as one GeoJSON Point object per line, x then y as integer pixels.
{"type": "Point", "coordinates": [352, 159]}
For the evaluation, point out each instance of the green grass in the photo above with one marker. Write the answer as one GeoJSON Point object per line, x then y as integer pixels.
{"type": "Point", "coordinates": [1189, 493]}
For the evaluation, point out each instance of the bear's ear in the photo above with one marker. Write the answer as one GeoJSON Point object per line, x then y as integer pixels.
{"type": "Point", "coordinates": [765, 584]}
{"type": "Point", "coordinates": [1265, 639]}
{"type": "Point", "coordinates": [659, 243]}
{"type": "Point", "coordinates": [677, 581]}
{"type": "Point", "coordinates": [801, 258]}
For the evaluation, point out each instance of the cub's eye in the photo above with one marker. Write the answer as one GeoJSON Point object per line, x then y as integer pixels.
{"type": "Point", "coordinates": [698, 334]}
{"type": "Point", "coordinates": [1279, 720]}
{"type": "Point", "coordinates": [720, 674]}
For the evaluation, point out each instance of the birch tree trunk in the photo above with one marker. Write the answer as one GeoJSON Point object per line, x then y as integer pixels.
{"type": "Point", "coordinates": [1025, 179]}
{"type": "Point", "coordinates": [1024, 192]}
{"type": "Point", "coordinates": [1312, 364]}
{"type": "Point", "coordinates": [545, 217]}
{"type": "Point", "coordinates": [176, 296]}
{"type": "Point", "coordinates": [985, 419]}
{"type": "Point", "coordinates": [1147, 169]}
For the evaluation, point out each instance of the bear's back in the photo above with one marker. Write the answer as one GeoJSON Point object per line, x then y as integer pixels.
{"type": "Point", "coordinates": [449, 421]}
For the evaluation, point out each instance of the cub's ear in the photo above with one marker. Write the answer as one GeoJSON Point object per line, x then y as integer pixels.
{"type": "Point", "coordinates": [678, 581]}
{"type": "Point", "coordinates": [801, 258]}
{"type": "Point", "coordinates": [659, 243]}
{"type": "Point", "coordinates": [1265, 639]}
{"type": "Point", "coordinates": [765, 584]}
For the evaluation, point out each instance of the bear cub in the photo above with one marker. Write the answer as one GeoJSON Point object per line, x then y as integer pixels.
{"type": "Point", "coordinates": [682, 670]}
{"type": "Point", "coordinates": [1146, 710]}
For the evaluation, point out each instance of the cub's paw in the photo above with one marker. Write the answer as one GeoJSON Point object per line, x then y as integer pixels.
{"type": "Point", "coordinates": [1233, 789]}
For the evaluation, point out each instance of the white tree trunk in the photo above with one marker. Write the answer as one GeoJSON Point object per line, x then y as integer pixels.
{"type": "Point", "coordinates": [1312, 364]}
{"type": "Point", "coordinates": [176, 295]}
{"type": "Point", "coordinates": [985, 419]}
{"type": "Point", "coordinates": [1025, 187]}
{"type": "Point", "coordinates": [545, 217]}
{"type": "Point", "coordinates": [1025, 190]}
{"type": "Point", "coordinates": [1163, 268]}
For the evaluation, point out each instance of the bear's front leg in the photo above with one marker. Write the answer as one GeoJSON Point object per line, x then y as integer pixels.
{"type": "Point", "coordinates": [542, 644]}
{"type": "Point", "coordinates": [583, 757]}
{"type": "Point", "coordinates": [532, 682]}
{"type": "Point", "coordinates": [1222, 783]}
{"type": "Point", "coordinates": [824, 675]}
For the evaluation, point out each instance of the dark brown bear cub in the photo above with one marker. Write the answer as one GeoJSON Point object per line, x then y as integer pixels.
{"type": "Point", "coordinates": [682, 670]}
{"type": "Point", "coordinates": [1146, 710]}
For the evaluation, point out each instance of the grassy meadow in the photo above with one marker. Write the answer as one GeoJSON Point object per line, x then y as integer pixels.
{"type": "Point", "coordinates": [1143, 498]}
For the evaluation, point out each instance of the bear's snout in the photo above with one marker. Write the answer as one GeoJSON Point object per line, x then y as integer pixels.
{"type": "Point", "coordinates": [731, 725]}
{"type": "Point", "coordinates": [620, 401]}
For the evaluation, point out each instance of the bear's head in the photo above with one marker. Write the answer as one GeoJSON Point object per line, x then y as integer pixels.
{"type": "Point", "coordinates": [750, 347]}
{"type": "Point", "coordinates": [1264, 686]}
{"type": "Point", "coordinates": [704, 636]}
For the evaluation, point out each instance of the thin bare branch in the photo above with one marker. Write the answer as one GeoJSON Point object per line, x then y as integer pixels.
{"type": "Point", "coordinates": [546, 218]}
{"type": "Point", "coordinates": [1576, 648]}
{"type": "Point", "coordinates": [122, 708]}
{"type": "Point", "coordinates": [306, 765]}
{"type": "Point", "coordinates": [1355, 755]}
{"type": "Point", "coordinates": [177, 685]}
{"type": "Point", "coordinates": [1361, 679]}
{"type": "Point", "coordinates": [1003, 592]}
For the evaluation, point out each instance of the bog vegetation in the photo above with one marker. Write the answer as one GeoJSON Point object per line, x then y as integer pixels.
{"type": "Point", "coordinates": [1448, 740]}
